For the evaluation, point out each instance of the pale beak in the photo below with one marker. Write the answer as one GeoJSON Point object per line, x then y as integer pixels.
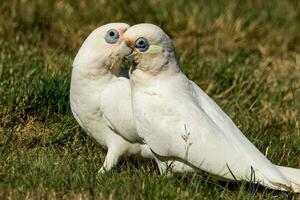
{"type": "Point", "coordinates": [130, 56]}
{"type": "Point", "coordinates": [125, 50]}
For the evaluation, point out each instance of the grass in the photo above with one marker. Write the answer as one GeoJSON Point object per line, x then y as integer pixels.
{"type": "Point", "coordinates": [244, 54]}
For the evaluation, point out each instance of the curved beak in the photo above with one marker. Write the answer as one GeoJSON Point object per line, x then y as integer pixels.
{"type": "Point", "coordinates": [125, 49]}
{"type": "Point", "coordinates": [128, 49]}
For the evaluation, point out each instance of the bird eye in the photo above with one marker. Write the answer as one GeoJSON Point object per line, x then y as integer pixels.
{"type": "Point", "coordinates": [112, 36]}
{"type": "Point", "coordinates": [142, 44]}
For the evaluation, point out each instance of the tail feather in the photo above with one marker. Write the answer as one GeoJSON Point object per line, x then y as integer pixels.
{"type": "Point", "coordinates": [293, 175]}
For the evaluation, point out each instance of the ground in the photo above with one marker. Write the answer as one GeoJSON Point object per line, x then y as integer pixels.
{"type": "Point", "coordinates": [244, 54]}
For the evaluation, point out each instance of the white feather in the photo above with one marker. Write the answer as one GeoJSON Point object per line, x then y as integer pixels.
{"type": "Point", "coordinates": [178, 120]}
{"type": "Point", "coordinates": [92, 77]}
{"type": "Point", "coordinates": [100, 99]}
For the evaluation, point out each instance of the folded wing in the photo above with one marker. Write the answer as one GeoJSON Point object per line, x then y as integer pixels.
{"type": "Point", "coordinates": [180, 126]}
{"type": "Point", "coordinates": [117, 110]}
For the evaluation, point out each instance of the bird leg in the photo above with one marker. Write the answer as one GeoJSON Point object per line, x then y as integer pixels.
{"type": "Point", "coordinates": [111, 159]}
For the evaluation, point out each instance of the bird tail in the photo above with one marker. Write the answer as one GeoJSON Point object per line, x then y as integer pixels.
{"type": "Point", "coordinates": [293, 175]}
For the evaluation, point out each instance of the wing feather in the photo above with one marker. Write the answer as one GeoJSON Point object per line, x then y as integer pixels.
{"type": "Point", "coordinates": [117, 111]}
{"type": "Point", "coordinates": [183, 122]}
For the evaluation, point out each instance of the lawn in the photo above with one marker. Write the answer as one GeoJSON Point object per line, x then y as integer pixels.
{"type": "Point", "coordinates": [244, 54]}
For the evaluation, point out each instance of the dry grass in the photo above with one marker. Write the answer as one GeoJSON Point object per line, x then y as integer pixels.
{"type": "Point", "coordinates": [244, 54]}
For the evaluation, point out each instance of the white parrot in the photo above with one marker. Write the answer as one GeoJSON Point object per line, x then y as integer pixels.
{"type": "Point", "coordinates": [100, 96]}
{"type": "Point", "coordinates": [180, 121]}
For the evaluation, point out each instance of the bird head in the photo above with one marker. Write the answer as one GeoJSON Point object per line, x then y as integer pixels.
{"type": "Point", "coordinates": [101, 50]}
{"type": "Point", "coordinates": [152, 48]}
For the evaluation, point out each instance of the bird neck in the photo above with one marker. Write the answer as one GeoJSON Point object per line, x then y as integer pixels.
{"type": "Point", "coordinates": [96, 63]}
{"type": "Point", "coordinates": [166, 62]}
{"type": "Point", "coordinates": [143, 73]}
{"type": "Point", "coordinates": [96, 68]}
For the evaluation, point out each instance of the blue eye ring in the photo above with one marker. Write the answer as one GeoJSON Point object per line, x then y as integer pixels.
{"type": "Point", "coordinates": [142, 44]}
{"type": "Point", "coordinates": [112, 36]}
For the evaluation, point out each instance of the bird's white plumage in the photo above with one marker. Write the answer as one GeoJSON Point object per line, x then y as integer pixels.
{"type": "Point", "coordinates": [178, 120]}
{"type": "Point", "coordinates": [100, 98]}
{"type": "Point", "coordinates": [95, 70]}
{"type": "Point", "coordinates": [116, 106]}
